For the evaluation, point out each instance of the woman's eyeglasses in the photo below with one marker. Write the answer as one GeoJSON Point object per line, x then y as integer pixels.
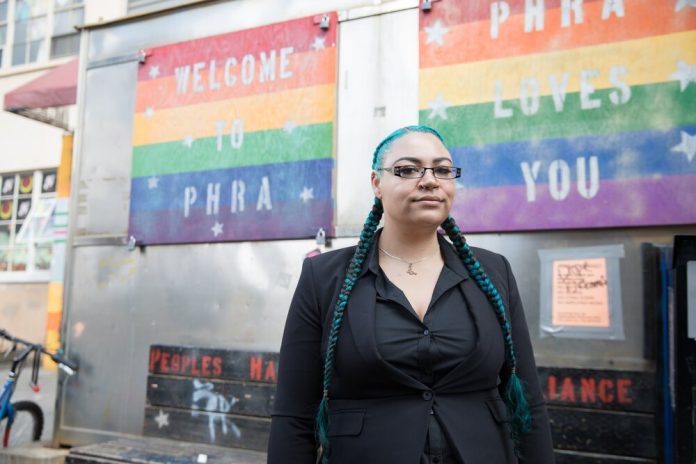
{"type": "Point", "coordinates": [416, 172]}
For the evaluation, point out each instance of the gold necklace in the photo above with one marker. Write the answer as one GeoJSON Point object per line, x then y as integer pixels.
{"type": "Point", "coordinates": [410, 270]}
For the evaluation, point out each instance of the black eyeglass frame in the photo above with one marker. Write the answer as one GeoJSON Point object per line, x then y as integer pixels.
{"type": "Point", "coordinates": [396, 170]}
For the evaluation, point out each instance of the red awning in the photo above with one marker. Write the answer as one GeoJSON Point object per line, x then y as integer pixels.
{"type": "Point", "coordinates": [57, 87]}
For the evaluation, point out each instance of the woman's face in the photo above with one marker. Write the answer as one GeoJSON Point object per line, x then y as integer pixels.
{"type": "Point", "coordinates": [416, 202]}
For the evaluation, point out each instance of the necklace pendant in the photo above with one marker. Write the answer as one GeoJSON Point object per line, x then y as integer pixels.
{"type": "Point", "coordinates": [410, 270]}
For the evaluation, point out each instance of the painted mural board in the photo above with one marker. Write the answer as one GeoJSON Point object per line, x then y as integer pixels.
{"type": "Point", "coordinates": [564, 114]}
{"type": "Point", "coordinates": [233, 136]}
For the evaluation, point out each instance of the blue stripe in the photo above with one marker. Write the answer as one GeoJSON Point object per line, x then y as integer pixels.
{"type": "Point", "coordinates": [628, 155]}
{"type": "Point", "coordinates": [286, 180]}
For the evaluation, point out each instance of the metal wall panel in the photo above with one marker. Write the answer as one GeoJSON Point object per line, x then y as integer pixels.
{"type": "Point", "coordinates": [211, 19]}
{"type": "Point", "coordinates": [230, 296]}
{"type": "Point", "coordinates": [235, 295]}
{"type": "Point", "coordinates": [377, 92]}
{"type": "Point", "coordinates": [521, 250]}
{"type": "Point", "coordinates": [103, 182]}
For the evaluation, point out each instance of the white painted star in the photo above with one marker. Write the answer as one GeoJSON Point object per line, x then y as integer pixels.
{"type": "Point", "coordinates": [436, 33]}
{"type": "Point", "coordinates": [318, 43]}
{"type": "Point", "coordinates": [149, 112]}
{"type": "Point", "coordinates": [152, 182]}
{"type": "Point", "coordinates": [217, 229]}
{"type": "Point", "coordinates": [687, 145]}
{"type": "Point", "coordinates": [188, 141]}
{"type": "Point", "coordinates": [154, 72]}
{"type": "Point", "coordinates": [289, 126]}
{"type": "Point", "coordinates": [307, 194]}
{"type": "Point", "coordinates": [438, 107]}
{"type": "Point", "coordinates": [162, 419]}
{"type": "Point", "coordinates": [685, 74]}
{"type": "Point", "coordinates": [684, 3]}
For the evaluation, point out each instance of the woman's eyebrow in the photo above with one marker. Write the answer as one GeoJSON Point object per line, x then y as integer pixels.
{"type": "Point", "coordinates": [418, 161]}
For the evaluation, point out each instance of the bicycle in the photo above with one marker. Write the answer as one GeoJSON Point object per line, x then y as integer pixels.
{"type": "Point", "coordinates": [24, 420]}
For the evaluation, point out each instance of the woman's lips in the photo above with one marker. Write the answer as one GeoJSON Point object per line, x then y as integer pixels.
{"type": "Point", "coordinates": [429, 200]}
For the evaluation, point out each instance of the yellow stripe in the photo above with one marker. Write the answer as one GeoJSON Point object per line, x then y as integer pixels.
{"type": "Point", "coordinates": [648, 61]}
{"type": "Point", "coordinates": [308, 105]}
{"type": "Point", "coordinates": [52, 344]}
{"type": "Point", "coordinates": [55, 297]}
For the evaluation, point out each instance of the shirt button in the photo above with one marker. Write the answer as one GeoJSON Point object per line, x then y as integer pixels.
{"type": "Point", "coordinates": [427, 395]}
{"type": "Point", "coordinates": [426, 332]}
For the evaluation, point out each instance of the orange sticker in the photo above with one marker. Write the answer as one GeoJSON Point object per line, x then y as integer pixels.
{"type": "Point", "coordinates": [580, 293]}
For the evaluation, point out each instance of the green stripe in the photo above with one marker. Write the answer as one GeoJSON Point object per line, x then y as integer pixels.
{"type": "Point", "coordinates": [656, 106]}
{"type": "Point", "coordinates": [262, 147]}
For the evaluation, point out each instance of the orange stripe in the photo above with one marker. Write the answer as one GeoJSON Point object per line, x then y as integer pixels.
{"type": "Point", "coordinates": [472, 41]}
{"type": "Point", "coordinates": [309, 69]}
{"type": "Point", "coordinates": [53, 321]}
{"type": "Point", "coordinates": [305, 105]}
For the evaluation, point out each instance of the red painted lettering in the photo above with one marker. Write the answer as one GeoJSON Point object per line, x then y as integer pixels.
{"type": "Point", "coordinates": [164, 363]}
{"type": "Point", "coordinates": [154, 357]}
{"type": "Point", "coordinates": [205, 366]}
{"type": "Point", "coordinates": [176, 363]}
{"type": "Point", "coordinates": [623, 392]}
{"type": "Point", "coordinates": [552, 395]}
{"type": "Point", "coordinates": [568, 390]}
{"type": "Point", "coordinates": [270, 372]}
{"type": "Point", "coordinates": [185, 364]}
{"type": "Point", "coordinates": [217, 366]}
{"type": "Point", "coordinates": [588, 390]}
{"type": "Point", "coordinates": [255, 364]}
{"type": "Point", "coordinates": [194, 367]}
{"type": "Point", "coordinates": [604, 395]}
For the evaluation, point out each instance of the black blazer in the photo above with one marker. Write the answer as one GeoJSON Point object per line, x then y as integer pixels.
{"type": "Point", "coordinates": [378, 414]}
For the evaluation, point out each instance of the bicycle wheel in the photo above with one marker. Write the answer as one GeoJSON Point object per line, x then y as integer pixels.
{"type": "Point", "coordinates": [27, 425]}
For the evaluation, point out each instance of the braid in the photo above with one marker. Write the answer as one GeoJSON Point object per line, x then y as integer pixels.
{"type": "Point", "coordinates": [352, 273]}
{"type": "Point", "coordinates": [514, 396]}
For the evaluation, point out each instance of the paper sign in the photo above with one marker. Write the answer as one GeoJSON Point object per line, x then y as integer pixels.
{"type": "Point", "coordinates": [580, 293]}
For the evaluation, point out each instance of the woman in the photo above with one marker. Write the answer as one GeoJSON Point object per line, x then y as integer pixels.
{"type": "Point", "coordinates": [403, 349]}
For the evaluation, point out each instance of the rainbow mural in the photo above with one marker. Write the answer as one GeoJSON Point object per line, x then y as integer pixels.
{"type": "Point", "coordinates": [564, 114]}
{"type": "Point", "coordinates": [233, 136]}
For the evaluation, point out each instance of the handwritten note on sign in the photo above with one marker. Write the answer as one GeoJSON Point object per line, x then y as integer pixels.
{"type": "Point", "coordinates": [580, 293]}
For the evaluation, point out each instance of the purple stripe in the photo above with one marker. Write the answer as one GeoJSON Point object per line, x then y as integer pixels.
{"type": "Point", "coordinates": [284, 221]}
{"type": "Point", "coordinates": [627, 202]}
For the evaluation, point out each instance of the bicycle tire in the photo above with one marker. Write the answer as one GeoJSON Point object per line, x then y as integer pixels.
{"type": "Point", "coordinates": [27, 426]}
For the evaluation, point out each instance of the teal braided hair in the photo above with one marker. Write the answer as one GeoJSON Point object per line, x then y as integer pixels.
{"type": "Point", "coordinates": [514, 396]}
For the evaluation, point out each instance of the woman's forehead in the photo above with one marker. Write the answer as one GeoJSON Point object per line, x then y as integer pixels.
{"type": "Point", "coordinates": [418, 146]}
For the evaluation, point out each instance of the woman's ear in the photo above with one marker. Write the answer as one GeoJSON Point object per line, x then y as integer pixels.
{"type": "Point", "coordinates": [374, 179]}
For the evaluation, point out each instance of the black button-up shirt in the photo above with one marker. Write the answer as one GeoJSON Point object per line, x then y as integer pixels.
{"type": "Point", "coordinates": [425, 350]}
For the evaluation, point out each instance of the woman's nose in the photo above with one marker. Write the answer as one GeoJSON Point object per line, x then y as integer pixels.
{"type": "Point", "coordinates": [428, 180]}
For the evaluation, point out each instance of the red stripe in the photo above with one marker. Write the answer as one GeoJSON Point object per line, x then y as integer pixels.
{"type": "Point", "coordinates": [452, 12]}
{"type": "Point", "coordinates": [298, 33]}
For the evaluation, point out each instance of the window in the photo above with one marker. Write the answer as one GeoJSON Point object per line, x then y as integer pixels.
{"type": "Point", "coordinates": [3, 27]}
{"type": "Point", "coordinates": [29, 44]}
{"type": "Point", "coordinates": [33, 31]}
{"type": "Point", "coordinates": [26, 205]}
{"type": "Point", "coordinates": [65, 39]}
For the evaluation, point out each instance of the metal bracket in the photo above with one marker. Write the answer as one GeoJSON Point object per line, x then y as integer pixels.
{"type": "Point", "coordinates": [324, 21]}
{"type": "Point", "coordinates": [427, 5]}
{"type": "Point", "coordinates": [131, 243]}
